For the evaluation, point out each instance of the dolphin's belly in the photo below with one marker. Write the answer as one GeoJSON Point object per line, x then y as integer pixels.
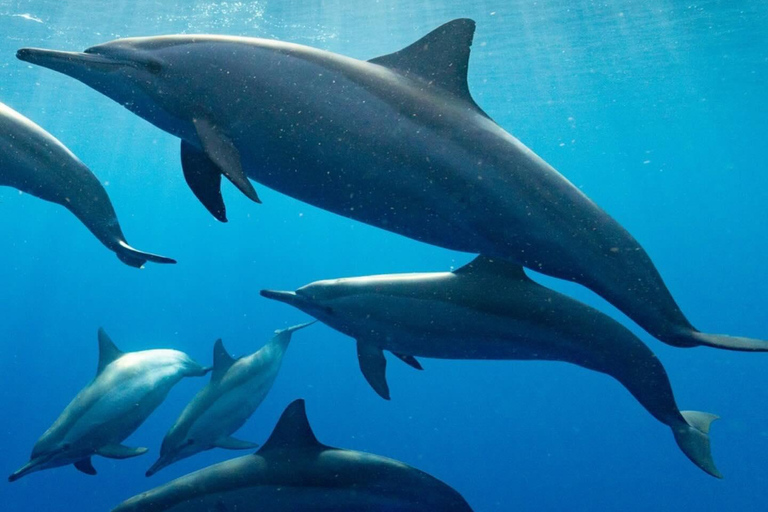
{"type": "Point", "coordinates": [228, 413]}
{"type": "Point", "coordinates": [437, 329]}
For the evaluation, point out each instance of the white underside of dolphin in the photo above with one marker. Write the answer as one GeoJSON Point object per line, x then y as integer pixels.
{"type": "Point", "coordinates": [236, 389]}
{"type": "Point", "coordinates": [127, 388]}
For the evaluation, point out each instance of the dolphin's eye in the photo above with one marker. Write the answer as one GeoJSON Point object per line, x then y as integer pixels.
{"type": "Point", "coordinates": [66, 447]}
{"type": "Point", "coordinates": [190, 442]}
{"type": "Point", "coordinates": [154, 67]}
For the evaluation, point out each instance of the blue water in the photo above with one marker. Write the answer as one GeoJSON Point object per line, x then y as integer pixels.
{"type": "Point", "coordinates": [657, 110]}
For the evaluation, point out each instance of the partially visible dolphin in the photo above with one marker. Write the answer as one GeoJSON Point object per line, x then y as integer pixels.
{"type": "Point", "coordinates": [491, 310]}
{"type": "Point", "coordinates": [35, 162]}
{"type": "Point", "coordinates": [128, 387]}
{"type": "Point", "coordinates": [396, 142]}
{"type": "Point", "coordinates": [237, 388]}
{"type": "Point", "coordinates": [293, 472]}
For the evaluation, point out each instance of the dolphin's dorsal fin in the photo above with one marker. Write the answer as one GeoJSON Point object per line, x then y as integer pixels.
{"type": "Point", "coordinates": [493, 267]}
{"type": "Point", "coordinates": [108, 352]}
{"type": "Point", "coordinates": [441, 58]}
{"type": "Point", "coordinates": [292, 430]}
{"type": "Point", "coordinates": [222, 361]}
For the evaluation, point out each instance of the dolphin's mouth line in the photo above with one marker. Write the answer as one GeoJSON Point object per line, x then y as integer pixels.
{"type": "Point", "coordinates": [50, 58]}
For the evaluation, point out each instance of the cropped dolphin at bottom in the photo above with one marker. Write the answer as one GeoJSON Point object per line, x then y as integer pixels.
{"type": "Point", "coordinates": [489, 309]}
{"type": "Point", "coordinates": [36, 163]}
{"type": "Point", "coordinates": [293, 472]}
{"type": "Point", "coordinates": [397, 142]}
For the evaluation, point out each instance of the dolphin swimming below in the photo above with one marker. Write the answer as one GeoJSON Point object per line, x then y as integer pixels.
{"type": "Point", "coordinates": [293, 472]}
{"type": "Point", "coordinates": [237, 388]}
{"type": "Point", "coordinates": [36, 163]}
{"type": "Point", "coordinates": [128, 387]}
{"type": "Point", "coordinates": [396, 142]}
{"type": "Point", "coordinates": [491, 310]}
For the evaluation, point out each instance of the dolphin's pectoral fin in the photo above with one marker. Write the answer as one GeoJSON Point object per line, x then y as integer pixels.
{"type": "Point", "coordinates": [373, 364]}
{"type": "Point", "coordinates": [223, 153]}
{"type": "Point", "coordinates": [85, 466]}
{"type": "Point", "coordinates": [204, 178]}
{"type": "Point", "coordinates": [118, 451]}
{"type": "Point", "coordinates": [441, 58]}
{"type": "Point", "coordinates": [409, 360]}
{"type": "Point", "coordinates": [231, 443]}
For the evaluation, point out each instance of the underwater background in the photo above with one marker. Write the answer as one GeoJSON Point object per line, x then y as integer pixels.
{"type": "Point", "coordinates": [657, 110]}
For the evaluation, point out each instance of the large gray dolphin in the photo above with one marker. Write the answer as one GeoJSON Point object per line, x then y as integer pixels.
{"type": "Point", "coordinates": [35, 162]}
{"type": "Point", "coordinates": [396, 142]}
{"type": "Point", "coordinates": [127, 388]}
{"type": "Point", "coordinates": [293, 472]}
{"type": "Point", "coordinates": [236, 389]}
{"type": "Point", "coordinates": [492, 310]}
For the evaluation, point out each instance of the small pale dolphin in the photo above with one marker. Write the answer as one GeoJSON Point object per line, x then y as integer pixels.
{"type": "Point", "coordinates": [35, 162]}
{"type": "Point", "coordinates": [127, 388]}
{"type": "Point", "coordinates": [293, 472]}
{"type": "Point", "coordinates": [237, 388]}
{"type": "Point", "coordinates": [492, 310]}
{"type": "Point", "coordinates": [396, 142]}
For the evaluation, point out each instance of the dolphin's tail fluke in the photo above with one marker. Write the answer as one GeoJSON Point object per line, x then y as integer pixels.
{"type": "Point", "coordinates": [136, 258]}
{"type": "Point", "coordinates": [729, 342]}
{"type": "Point", "coordinates": [693, 438]}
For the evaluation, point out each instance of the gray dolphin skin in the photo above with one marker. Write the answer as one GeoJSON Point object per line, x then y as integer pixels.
{"type": "Point", "coordinates": [128, 387]}
{"type": "Point", "coordinates": [396, 142]}
{"type": "Point", "coordinates": [491, 310]}
{"type": "Point", "coordinates": [293, 472]}
{"type": "Point", "coordinates": [35, 162]}
{"type": "Point", "coordinates": [236, 389]}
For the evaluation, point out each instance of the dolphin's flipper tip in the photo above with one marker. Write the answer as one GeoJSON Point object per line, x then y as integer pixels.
{"type": "Point", "coordinates": [136, 258]}
{"type": "Point", "coordinates": [726, 342]}
{"type": "Point", "coordinates": [693, 440]}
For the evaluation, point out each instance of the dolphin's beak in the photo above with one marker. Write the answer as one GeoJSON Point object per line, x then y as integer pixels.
{"type": "Point", "coordinates": [69, 63]}
{"type": "Point", "coordinates": [287, 297]}
{"type": "Point", "coordinates": [157, 466]}
{"type": "Point", "coordinates": [29, 467]}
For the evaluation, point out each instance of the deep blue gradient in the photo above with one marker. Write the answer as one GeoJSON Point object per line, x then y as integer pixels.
{"type": "Point", "coordinates": [657, 110]}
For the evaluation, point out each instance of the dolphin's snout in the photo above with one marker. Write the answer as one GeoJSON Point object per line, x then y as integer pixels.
{"type": "Point", "coordinates": [288, 297]}
{"type": "Point", "coordinates": [69, 63]}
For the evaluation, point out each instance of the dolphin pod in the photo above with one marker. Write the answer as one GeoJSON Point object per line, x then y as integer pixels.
{"type": "Point", "coordinates": [127, 388]}
{"type": "Point", "coordinates": [492, 310]}
{"type": "Point", "coordinates": [236, 389]}
{"type": "Point", "coordinates": [35, 162]}
{"type": "Point", "coordinates": [293, 472]}
{"type": "Point", "coordinates": [396, 142]}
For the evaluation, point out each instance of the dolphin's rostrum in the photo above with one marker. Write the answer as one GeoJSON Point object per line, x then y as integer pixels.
{"type": "Point", "coordinates": [36, 163]}
{"type": "Point", "coordinates": [396, 142]}
{"type": "Point", "coordinates": [127, 388]}
{"type": "Point", "coordinates": [489, 309]}
{"type": "Point", "coordinates": [236, 389]}
{"type": "Point", "coordinates": [293, 472]}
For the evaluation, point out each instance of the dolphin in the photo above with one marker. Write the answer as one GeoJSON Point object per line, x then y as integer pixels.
{"type": "Point", "coordinates": [489, 309]}
{"type": "Point", "coordinates": [237, 388]}
{"type": "Point", "coordinates": [293, 472]}
{"type": "Point", "coordinates": [128, 387]}
{"type": "Point", "coordinates": [36, 163]}
{"type": "Point", "coordinates": [396, 142]}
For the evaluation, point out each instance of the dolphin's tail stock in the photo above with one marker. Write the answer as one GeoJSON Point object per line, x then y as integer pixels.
{"type": "Point", "coordinates": [693, 438]}
{"type": "Point", "coordinates": [728, 342]}
{"type": "Point", "coordinates": [135, 258]}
